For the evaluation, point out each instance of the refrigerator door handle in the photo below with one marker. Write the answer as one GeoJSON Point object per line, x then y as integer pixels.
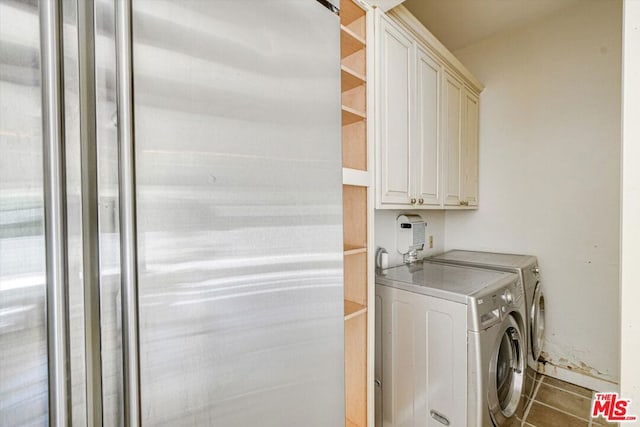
{"type": "Point", "coordinates": [55, 218]}
{"type": "Point", "coordinates": [89, 199]}
{"type": "Point", "coordinates": [128, 226]}
{"type": "Point", "coordinates": [332, 7]}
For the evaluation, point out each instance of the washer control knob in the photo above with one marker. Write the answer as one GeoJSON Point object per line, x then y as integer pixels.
{"type": "Point", "coordinates": [507, 296]}
{"type": "Point", "coordinates": [535, 270]}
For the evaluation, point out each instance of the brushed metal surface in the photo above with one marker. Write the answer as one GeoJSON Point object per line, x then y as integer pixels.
{"type": "Point", "coordinates": [89, 212]}
{"type": "Point", "coordinates": [23, 342]}
{"type": "Point", "coordinates": [526, 266]}
{"type": "Point", "coordinates": [128, 214]}
{"type": "Point", "coordinates": [238, 163]}
{"type": "Point", "coordinates": [109, 223]}
{"type": "Point", "coordinates": [23, 337]}
{"type": "Point", "coordinates": [457, 283]}
{"type": "Point", "coordinates": [55, 212]}
{"type": "Point", "coordinates": [241, 266]}
{"type": "Point", "coordinates": [73, 200]}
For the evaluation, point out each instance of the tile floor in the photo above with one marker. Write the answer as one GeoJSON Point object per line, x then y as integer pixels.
{"type": "Point", "coordinates": [558, 404]}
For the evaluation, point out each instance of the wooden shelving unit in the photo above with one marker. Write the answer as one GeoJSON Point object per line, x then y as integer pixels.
{"type": "Point", "coordinates": [353, 250]}
{"type": "Point", "coordinates": [350, 115]}
{"type": "Point", "coordinates": [356, 198]}
{"type": "Point", "coordinates": [353, 309]}
{"type": "Point", "coordinates": [350, 42]}
{"type": "Point", "coordinates": [351, 78]}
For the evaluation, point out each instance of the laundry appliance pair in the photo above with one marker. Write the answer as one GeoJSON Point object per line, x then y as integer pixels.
{"type": "Point", "coordinates": [452, 342]}
{"type": "Point", "coordinates": [525, 266]}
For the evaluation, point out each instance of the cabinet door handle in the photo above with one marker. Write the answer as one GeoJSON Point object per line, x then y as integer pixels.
{"type": "Point", "coordinates": [464, 203]}
{"type": "Point", "coordinates": [439, 417]}
{"type": "Point", "coordinates": [413, 201]}
{"type": "Point", "coordinates": [421, 201]}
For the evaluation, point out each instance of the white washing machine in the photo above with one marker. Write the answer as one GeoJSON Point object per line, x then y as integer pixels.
{"type": "Point", "coordinates": [450, 346]}
{"type": "Point", "coordinates": [526, 266]}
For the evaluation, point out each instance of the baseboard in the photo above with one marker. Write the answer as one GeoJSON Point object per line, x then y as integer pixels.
{"type": "Point", "coordinates": [577, 378]}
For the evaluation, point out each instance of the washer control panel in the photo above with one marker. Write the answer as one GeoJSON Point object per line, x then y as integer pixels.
{"type": "Point", "coordinates": [492, 307]}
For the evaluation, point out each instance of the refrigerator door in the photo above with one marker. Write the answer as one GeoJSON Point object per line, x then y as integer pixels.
{"type": "Point", "coordinates": [35, 388]}
{"type": "Point", "coordinates": [239, 212]}
{"type": "Point", "coordinates": [23, 333]}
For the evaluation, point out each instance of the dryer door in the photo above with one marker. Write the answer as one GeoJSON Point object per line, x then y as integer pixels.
{"type": "Point", "coordinates": [537, 322]}
{"type": "Point", "coordinates": [506, 371]}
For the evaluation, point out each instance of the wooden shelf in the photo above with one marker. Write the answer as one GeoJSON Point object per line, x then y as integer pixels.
{"type": "Point", "coordinates": [355, 99]}
{"type": "Point", "coordinates": [352, 309]}
{"type": "Point", "coordinates": [350, 115]}
{"type": "Point", "coordinates": [355, 341]}
{"type": "Point", "coordinates": [354, 205]}
{"type": "Point", "coordinates": [351, 78]}
{"type": "Point", "coordinates": [355, 278]}
{"type": "Point", "coordinates": [353, 250]}
{"type": "Point", "coordinates": [350, 42]}
{"type": "Point", "coordinates": [350, 12]}
{"type": "Point", "coordinates": [356, 62]}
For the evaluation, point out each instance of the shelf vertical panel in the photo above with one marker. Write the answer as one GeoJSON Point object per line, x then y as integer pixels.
{"type": "Point", "coordinates": [354, 145]}
{"type": "Point", "coordinates": [355, 215]}
{"type": "Point", "coordinates": [355, 278]}
{"type": "Point", "coordinates": [355, 336]}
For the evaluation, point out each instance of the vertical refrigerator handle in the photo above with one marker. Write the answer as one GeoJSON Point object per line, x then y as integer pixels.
{"type": "Point", "coordinates": [55, 214]}
{"type": "Point", "coordinates": [89, 197]}
{"type": "Point", "coordinates": [128, 236]}
{"type": "Point", "coordinates": [332, 7]}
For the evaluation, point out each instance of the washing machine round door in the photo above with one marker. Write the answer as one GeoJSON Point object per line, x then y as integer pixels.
{"type": "Point", "coordinates": [506, 371]}
{"type": "Point", "coordinates": [537, 323]}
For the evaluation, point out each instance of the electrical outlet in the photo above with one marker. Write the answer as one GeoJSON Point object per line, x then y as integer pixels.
{"type": "Point", "coordinates": [430, 242]}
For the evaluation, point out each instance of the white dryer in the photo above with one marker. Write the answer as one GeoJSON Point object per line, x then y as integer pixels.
{"type": "Point", "coordinates": [526, 266]}
{"type": "Point", "coordinates": [450, 346]}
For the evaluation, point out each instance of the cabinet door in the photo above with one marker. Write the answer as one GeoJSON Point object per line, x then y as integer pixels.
{"type": "Point", "coordinates": [394, 85]}
{"type": "Point", "coordinates": [452, 120]}
{"type": "Point", "coordinates": [469, 169]}
{"type": "Point", "coordinates": [427, 129]}
{"type": "Point", "coordinates": [424, 358]}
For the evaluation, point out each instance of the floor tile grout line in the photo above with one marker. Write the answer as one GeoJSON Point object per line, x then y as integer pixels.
{"type": "Point", "coordinates": [569, 391]}
{"type": "Point", "coordinates": [562, 411]}
{"type": "Point", "coordinates": [533, 399]}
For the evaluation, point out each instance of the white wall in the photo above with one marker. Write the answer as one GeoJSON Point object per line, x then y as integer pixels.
{"type": "Point", "coordinates": [630, 277]}
{"type": "Point", "coordinates": [549, 172]}
{"type": "Point", "coordinates": [385, 231]}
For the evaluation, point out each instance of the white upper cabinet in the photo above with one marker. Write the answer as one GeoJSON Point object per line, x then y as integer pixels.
{"type": "Point", "coordinates": [426, 120]}
{"type": "Point", "coordinates": [469, 149]}
{"type": "Point", "coordinates": [452, 110]}
{"type": "Point", "coordinates": [427, 129]}
{"type": "Point", "coordinates": [394, 100]}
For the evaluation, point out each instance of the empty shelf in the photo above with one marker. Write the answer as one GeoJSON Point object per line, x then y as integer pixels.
{"type": "Point", "coordinates": [352, 309]}
{"type": "Point", "coordinates": [352, 250]}
{"type": "Point", "coordinates": [350, 115]}
{"type": "Point", "coordinates": [351, 78]}
{"type": "Point", "coordinates": [350, 42]}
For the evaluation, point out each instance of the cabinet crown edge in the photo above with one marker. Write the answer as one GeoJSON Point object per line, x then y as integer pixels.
{"type": "Point", "coordinates": [404, 17]}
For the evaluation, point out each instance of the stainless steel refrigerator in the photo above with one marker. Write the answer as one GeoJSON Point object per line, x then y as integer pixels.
{"type": "Point", "coordinates": [170, 213]}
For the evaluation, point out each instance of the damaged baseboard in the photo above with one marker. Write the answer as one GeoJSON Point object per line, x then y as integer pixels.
{"type": "Point", "coordinates": [576, 377]}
